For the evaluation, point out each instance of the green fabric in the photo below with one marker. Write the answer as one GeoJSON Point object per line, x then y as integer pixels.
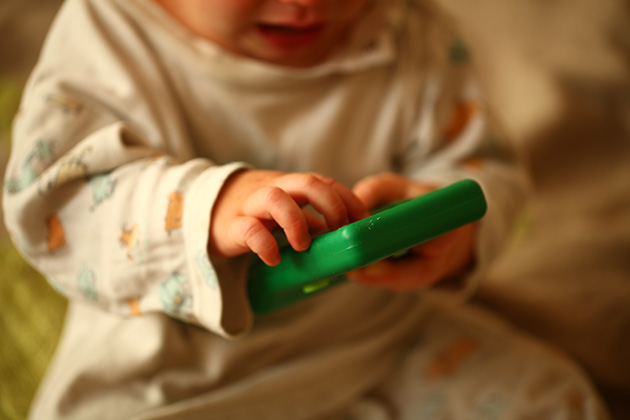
{"type": "Point", "coordinates": [10, 90]}
{"type": "Point", "coordinates": [31, 312]}
{"type": "Point", "coordinates": [30, 324]}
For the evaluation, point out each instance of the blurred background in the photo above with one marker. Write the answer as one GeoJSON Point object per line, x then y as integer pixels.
{"type": "Point", "coordinates": [31, 312]}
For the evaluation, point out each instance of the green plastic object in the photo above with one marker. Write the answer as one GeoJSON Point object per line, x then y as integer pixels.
{"type": "Point", "coordinates": [386, 233]}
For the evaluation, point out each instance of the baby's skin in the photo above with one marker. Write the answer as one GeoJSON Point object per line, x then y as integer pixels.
{"type": "Point", "coordinates": [254, 202]}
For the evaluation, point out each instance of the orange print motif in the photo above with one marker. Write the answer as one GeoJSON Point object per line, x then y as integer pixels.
{"type": "Point", "coordinates": [450, 359]}
{"type": "Point", "coordinates": [151, 160]}
{"type": "Point", "coordinates": [56, 234]}
{"type": "Point", "coordinates": [474, 163]}
{"type": "Point", "coordinates": [463, 113]}
{"type": "Point", "coordinates": [174, 211]}
{"type": "Point", "coordinates": [129, 238]}
{"type": "Point", "coordinates": [134, 307]}
{"type": "Point", "coordinates": [576, 402]}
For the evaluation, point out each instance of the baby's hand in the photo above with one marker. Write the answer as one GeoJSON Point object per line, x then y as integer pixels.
{"type": "Point", "coordinates": [425, 264]}
{"type": "Point", "coordinates": [253, 202]}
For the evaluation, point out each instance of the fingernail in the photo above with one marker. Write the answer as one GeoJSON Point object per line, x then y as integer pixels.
{"type": "Point", "coordinates": [275, 260]}
{"type": "Point", "coordinates": [305, 243]}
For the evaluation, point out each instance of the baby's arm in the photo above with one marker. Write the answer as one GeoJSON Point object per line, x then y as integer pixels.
{"type": "Point", "coordinates": [427, 263]}
{"type": "Point", "coordinates": [454, 138]}
{"type": "Point", "coordinates": [253, 202]}
{"type": "Point", "coordinates": [105, 194]}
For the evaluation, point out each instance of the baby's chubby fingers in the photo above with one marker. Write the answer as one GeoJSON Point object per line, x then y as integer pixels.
{"type": "Point", "coordinates": [401, 275]}
{"type": "Point", "coordinates": [425, 264]}
{"type": "Point", "coordinates": [273, 203]}
{"type": "Point", "coordinates": [253, 202]}
{"type": "Point", "coordinates": [335, 202]}
{"type": "Point", "coordinates": [377, 190]}
{"type": "Point", "coordinates": [249, 233]}
{"type": "Point", "coordinates": [354, 206]}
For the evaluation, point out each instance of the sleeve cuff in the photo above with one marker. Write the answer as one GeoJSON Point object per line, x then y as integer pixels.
{"type": "Point", "coordinates": [219, 285]}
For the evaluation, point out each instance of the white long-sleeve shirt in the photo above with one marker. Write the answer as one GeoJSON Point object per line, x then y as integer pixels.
{"type": "Point", "coordinates": [130, 124]}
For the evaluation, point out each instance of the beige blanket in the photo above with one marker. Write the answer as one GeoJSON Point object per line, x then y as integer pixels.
{"type": "Point", "coordinates": [558, 77]}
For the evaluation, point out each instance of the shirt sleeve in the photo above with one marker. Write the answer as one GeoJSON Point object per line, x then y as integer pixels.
{"type": "Point", "coordinates": [102, 195]}
{"type": "Point", "coordinates": [455, 139]}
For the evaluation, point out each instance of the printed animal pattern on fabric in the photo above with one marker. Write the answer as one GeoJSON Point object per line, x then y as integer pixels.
{"type": "Point", "coordinates": [448, 361]}
{"type": "Point", "coordinates": [134, 307]}
{"type": "Point", "coordinates": [174, 211]}
{"type": "Point", "coordinates": [432, 407]}
{"type": "Point", "coordinates": [103, 187]}
{"type": "Point", "coordinates": [458, 52]}
{"type": "Point", "coordinates": [71, 166]}
{"type": "Point", "coordinates": [66, 104]}
{"type": "Point", "coordinates": [577, 402]}
{"type": "Point", "coordinates": [56, 233]}
{"type": "Point", "coordinates": [462, 114]}
{"type": "Point", "coordinates": [473, 164]}
{"type": "Point", "coordinates": [175, 295]}
{"type": "Point", "coordinates": [33, 166]}
{"type": "Point", "coordinates": [156, 157]}
{"type": "Point", "coordinates": [129, 238]}
{"type": "Point", "coordinates": [490, 408]}
{"type": "Point", "coordinates": [86, 283]}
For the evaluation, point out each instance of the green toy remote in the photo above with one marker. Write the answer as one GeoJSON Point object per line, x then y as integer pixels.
{"type": "Point", "coordinates": [384, 234]}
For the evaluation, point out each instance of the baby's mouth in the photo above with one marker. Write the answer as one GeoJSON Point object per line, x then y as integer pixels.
{"type": "Point", "coordinates": [286, 36]}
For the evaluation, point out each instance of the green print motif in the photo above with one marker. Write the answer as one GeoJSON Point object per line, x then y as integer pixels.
{"type": "Point", "coordinates": [175, 295]}
{"type": "Point", "coordinates": [103, 187]}
{"type": "Point", "coordinates": [431, 407]}
{"type": "Point", "coordinates": [33, 166]}
{"type": "Point", "coordinates": [71, 166]}
{"type": "Point", "coordinates": [458, 53]}
{"type": "Point", "coordinates": [86, 282]}
{"type": "Point", "coordinates": [65, 104]}
{"type": "Point", "coordinates": [203, 262]}
{"type": "Point", "coordinates": [492, 408]}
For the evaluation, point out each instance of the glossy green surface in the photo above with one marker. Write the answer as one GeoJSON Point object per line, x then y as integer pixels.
{"type": "Point", "coordinates": [386, 233]}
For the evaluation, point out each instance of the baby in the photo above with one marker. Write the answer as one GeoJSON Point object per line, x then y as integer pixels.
{"type": "Point", "coordinates": [168, 139]}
